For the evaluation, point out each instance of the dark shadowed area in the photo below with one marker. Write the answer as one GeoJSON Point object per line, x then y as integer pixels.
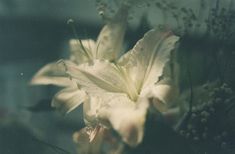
{"type": "Point", "coordinates": [34, 33]}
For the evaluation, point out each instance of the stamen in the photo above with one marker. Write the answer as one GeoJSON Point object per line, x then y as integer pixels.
{"type": "Point", "coordinates": [61, 61]}
{"type": "Point", "coordinates": [97, 49]}
{"type": "Point", "coordinates": [92, 132]}
{"type": "Point", "coordinates": [64, 65]}
{"type": "Point", "coordinates": [70, 22]}
{"type": "Point", "coordinates": [89, 45]}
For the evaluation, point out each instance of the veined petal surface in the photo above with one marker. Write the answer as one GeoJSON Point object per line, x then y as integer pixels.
{"type": "Point", "coordinates": [146, 61]}
{"type": "Point", "coordinates": [97, 77]}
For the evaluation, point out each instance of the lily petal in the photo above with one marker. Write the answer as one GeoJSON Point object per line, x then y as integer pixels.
{"type": "Point", "coordinates": [116, 110]}
{"type": "Point", "coordinates": [146, 61]}
{"type": "Point", "coordinates": [77, 50]}
{"type": "Point", "coordinates": [90, 109]}
{"type": "Point", "coordinates": [162, 96]}
{"type": "Point", "coordinates": [126, 118]}
{"type": "Point", "coordinates": [68, 99]}
{"type": "Point", "coordinates": [110, 39]}
{"type": "Point", "coordinates": [101, 101]}
{"type": "Point", "coordinates": [53, 74]}
{"type": "Point", "coordinates": [165, 91]}
{"type": "Point", "coordinates": [97, 77]}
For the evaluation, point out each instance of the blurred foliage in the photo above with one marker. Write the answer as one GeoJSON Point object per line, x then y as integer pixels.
{"type": "Point", "coordinates": [210, 123]}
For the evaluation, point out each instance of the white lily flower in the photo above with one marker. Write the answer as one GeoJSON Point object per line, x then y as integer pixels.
{"type": "Point", "coordinates": [115, 92]}
{"type": "Point", "coordinates": [118, 92]}
{"type": "Point", "coordinates": [108, 46]}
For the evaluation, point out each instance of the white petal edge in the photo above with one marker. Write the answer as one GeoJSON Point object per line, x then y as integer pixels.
{"type": "Point", "coordinates": [126, 118]}
{"type": "Point", "coordinates": [146, 61]}
{"type": "Point", "coordinates": [51, 74]}
{"type": "Point", "coordinates": [68, 99]}
{"type": "Point", "coordinates": [110, 39]}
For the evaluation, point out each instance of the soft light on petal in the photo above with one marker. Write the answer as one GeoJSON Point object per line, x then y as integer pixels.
{"type": "Point", "coordinates": [102, 101]}
{"type": "Point", "coordinates": [146, 61]}
{"type": "Point", "coordinates": [68, 99]}
{"type": "Point", "coordinates": [77, 51]}
{"type": "Point", "coordinates": [125, 117]}
{"type": "Point", "coordinates": [162, 96]}
{"type": "Point", "coordinates": [90, 110]}
{"type": "Point", "coordinates": [119, 112]}
{"type": "Point", "coordinates": [164, 92]}
{"type": "Point", "coordinates": [110, 39]}
{"type": "Point", "coordinates": [97, 77]}
{"type": "Point", "coordinates": [53, 74]}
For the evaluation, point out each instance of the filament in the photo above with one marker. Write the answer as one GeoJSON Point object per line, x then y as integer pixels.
{"type": "Point", "coordinates": [70, 22]}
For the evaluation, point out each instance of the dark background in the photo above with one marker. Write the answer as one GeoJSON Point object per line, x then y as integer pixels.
{"type": "Point", "coordinates": [33, 33]}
